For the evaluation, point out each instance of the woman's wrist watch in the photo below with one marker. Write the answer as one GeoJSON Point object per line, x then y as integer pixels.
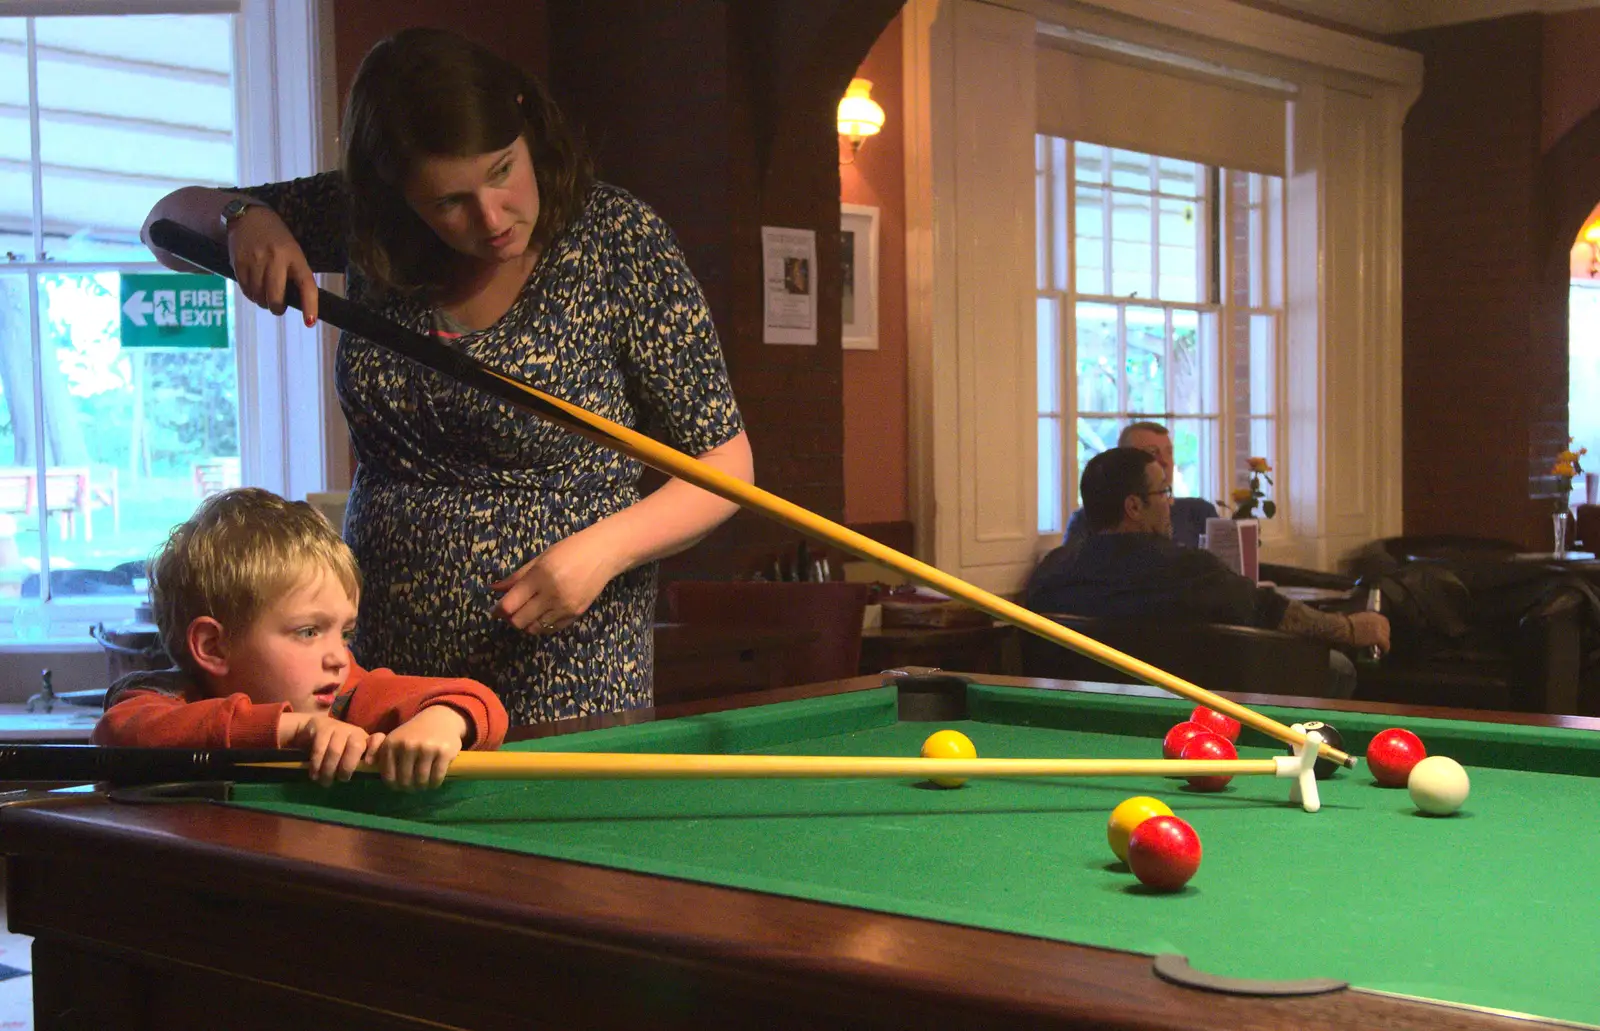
{"type": "Point", "coordinates": [235, 208]}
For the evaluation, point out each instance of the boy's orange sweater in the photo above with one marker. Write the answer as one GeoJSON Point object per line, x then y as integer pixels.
{"type": "Point", "coordinates": [168, 709]}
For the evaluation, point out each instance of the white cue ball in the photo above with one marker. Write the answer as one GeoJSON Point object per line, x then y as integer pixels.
{"type": "Point", "coordinates": [1438, 785]}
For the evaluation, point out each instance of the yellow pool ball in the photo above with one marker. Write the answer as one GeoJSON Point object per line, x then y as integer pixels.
{"type": "Point", "coordinates": [1130, 814]}
{"type": "Point", "coordinates": [948, 744]}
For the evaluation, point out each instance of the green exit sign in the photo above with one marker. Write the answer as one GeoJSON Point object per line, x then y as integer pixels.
{"type": "Point", "coordinates": [174, 310]}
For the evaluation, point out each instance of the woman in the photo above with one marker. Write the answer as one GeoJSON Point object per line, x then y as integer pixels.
{"type": "Point", "coordinates": [495, 546]}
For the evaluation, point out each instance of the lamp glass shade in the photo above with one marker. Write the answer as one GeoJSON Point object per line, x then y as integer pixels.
{"type": "Point", "coordinates": [859, 114]}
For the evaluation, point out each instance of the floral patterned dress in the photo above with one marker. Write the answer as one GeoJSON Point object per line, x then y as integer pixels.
{"type": "Point", "coordinates": [455, 490]}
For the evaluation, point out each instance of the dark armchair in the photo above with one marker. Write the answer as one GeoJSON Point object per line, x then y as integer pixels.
{"type": "Point", "coordinates": [1216, 657]}
{"type": "Point", "coordinates": [1507, 636]}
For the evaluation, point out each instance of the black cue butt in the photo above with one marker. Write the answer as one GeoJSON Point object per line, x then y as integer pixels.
{"type": "Point", "coordinates": [92, 763]}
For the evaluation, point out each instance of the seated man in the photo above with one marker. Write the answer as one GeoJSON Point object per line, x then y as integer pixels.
{"type": "Point", "coordinates": [1189, 515]}
{"type": "Point", "coordinates": [1127, 567]}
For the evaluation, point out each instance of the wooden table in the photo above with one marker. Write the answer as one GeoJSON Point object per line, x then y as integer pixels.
{"type": "Point", "coordinates": [976, 649]}
{"type": "Point", "coordinates": [1316, 597]}
{"type": "Point", "coordinates": [695, 660]}
{"type": "Point", "coordinates": [1552, 558]}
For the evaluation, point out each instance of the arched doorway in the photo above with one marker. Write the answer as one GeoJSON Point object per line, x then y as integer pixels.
{"type": "Point", "coordinates": [1583, 334]}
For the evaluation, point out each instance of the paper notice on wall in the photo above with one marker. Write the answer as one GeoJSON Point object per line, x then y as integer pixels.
{"type": "Point", "coordinates": [789, 285]}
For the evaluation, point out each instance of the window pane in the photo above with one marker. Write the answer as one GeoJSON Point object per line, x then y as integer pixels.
{"type": "Point", "coordinates": [1264, 443]}
{"type": "Point", "coordinates": [1042, 213]}
{"type": "Point", "coordinates": [19, 508]}
{"type": "Point", "coordinates": [1131, 170]}
{"type": "Point", "coordinates": [1131, 251]}
{"type": "Point", "coordinates": [137, 435]}
{"type": "Point", "coordinates": [1262, 388]}
{"type": "Point", "coordinates": [1049, 347]}
{"type": "Point", "coordinates": [1147, 361]}
{"type": "Point", "coordinates": [16, 142]}
{"type": "Point", "coordinates": [1089, 162]}
{"type": "Point", "coordinates": [1097, 358]}
{"type": "Point", "coordinates": [1090, 239]}
{"type": "Point", "coordinates": [1050, 475]}
{"type": "Point", "coordinates": [1181, 178]}
{"type": "Point", "coordinates": [1194, 362]}
{"type": "Point", "coordinates": [1095, 436]}
{"type": "Point", "coordinates": [132, 107]}
{"type": "Point", "coordinates": [1194, 459]}
{"type": "Point", "coordinates": [1182, 242]}
{"type": "Point", "coordinates": [1060, 227]}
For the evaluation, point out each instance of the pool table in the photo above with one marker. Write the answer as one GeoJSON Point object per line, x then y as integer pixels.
{"type": "Point", "coordinates": [818, 903]}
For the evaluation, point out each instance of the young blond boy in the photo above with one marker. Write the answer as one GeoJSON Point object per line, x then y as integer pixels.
{"type": "Point", "coordinates": [254, 597]}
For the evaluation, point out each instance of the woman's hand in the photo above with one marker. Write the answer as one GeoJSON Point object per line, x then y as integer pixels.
{"type": "Point", "coordinates": [265, 257]}
{"type": "Point", "coordinates": [550, 592]}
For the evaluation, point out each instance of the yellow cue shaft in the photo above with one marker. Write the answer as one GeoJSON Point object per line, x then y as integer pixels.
{"type": "Point", "coordinates": [709, 477]}
{"type": "Point", "coordinates": [632, 766]}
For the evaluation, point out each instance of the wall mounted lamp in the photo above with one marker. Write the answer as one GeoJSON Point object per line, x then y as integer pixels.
{"type": "Point", "coordinates": [859, 115]}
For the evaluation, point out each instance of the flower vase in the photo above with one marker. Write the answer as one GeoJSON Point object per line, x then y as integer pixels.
{"type": "Point", "coordinates": [1558, 524]}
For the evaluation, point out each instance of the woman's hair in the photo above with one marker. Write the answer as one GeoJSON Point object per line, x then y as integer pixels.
{"type": "Point", "coordinates": [242, 551]}
{"type": "Point", "coordinates": [429, 93]}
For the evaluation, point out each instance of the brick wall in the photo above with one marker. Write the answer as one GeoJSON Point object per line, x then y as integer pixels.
{"type": "Point", "coordinates": [721, 116]}
{"type": "Point", "coordinates": [1480, 379]}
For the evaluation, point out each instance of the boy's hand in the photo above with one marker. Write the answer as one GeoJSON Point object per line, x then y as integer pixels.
{"type": "Point", "coordinates": [418, 752]}
{"type": "Point", "coordinates": [336, 748]}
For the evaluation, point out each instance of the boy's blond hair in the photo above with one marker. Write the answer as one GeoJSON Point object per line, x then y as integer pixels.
{"type": "Point", "coordinates": [241, 551]}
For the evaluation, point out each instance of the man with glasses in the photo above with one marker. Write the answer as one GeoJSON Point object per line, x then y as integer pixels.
{"type": "Point", "coordinates": [1126, 566]}
{"type": "Point", "coordinates": [1189, 515]}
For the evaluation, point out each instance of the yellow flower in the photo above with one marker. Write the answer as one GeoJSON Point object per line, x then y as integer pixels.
{"type": "Point", "coordinates": [1259, 465]}
{"type": "Point", "coordinates": [1563, 469]}
{"type": "Point", "coordinates": [1566, 457]}
{"type": "Point", "coordinates": [1241, 495]}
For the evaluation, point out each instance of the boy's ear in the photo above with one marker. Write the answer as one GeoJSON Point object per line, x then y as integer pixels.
{"type": "Point", "coordinates": [208, 644]}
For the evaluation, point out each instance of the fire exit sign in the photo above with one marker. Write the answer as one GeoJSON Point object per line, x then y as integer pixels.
{"type": "Point", "coordinates": [174, 311]}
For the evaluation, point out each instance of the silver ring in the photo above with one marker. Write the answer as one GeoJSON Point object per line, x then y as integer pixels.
{"type": "Point", "coordinates": [547, 626]}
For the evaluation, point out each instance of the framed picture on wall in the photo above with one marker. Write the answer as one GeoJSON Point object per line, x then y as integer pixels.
{"type": "Point", "coordinates": [858, 230]}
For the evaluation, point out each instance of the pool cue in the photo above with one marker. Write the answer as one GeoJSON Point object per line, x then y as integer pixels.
{"type": "Point", "coordinates": [204, 252]}
{"type": "Point", "coordinates": [639, 766]}
{"type": "Point", "coordinates": [128, 765]}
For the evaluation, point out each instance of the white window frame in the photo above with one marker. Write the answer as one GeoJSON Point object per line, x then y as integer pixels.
{"type": "Point", "coordinates": [1067, 300]}
{"type": "Point", "coordinates": [970, 118]}
{"type": "Point", "coordinates": [292, 436]}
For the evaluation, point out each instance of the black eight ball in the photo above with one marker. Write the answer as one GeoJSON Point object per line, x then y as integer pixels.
{"type": "Point", "coordinates": [1325, 768]}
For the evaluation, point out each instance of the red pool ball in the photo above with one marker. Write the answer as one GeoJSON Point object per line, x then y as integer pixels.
{"type": "Point", "coordinates": [1391, 755]}
{"type": "Point", "coordinates": [1178, 736]}
{"type": "Point", "coordinates": [1216, 722]}
{"type": "Point", "coordinates": [1207, 745]}
{"type": "Point", "coordinates": [1164, 852]}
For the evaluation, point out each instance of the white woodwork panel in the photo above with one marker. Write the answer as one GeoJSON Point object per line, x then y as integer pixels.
{"type": "Point", "coordinates": [1349, 348]}
{"type": "Point", "coordinates": [994, 122]}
